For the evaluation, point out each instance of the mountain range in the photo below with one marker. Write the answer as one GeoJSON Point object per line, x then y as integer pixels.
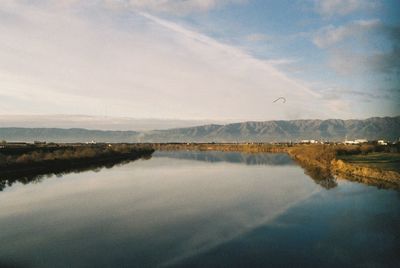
{"type": "Point", "coordinates": [99, 122]}
{"type": "Point", "coordinates": [374, 128]}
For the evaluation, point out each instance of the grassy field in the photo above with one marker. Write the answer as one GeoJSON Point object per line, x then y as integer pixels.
{"type": "Point", "coordinates": [384, 161]}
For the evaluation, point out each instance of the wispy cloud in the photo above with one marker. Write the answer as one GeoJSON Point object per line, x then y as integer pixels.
{"type": "Point", "coordinates": [175, 7]}
{"type": "Point", "coordinates": [331, 35]}
{"type": "Point", "coordinates": [342, 98]}
{"type": "Point", "coordinates": [257, 37]}
{"type": "Point", "coordinates": [358, 46]}
{"type": "Point", "coordinates": [342, 7]}
{"type": "Point", "coordinates": [281, 61]}
{"type": "Point", "coordinates": [337, 93]}
{"type": "Point", "coordinates": [103, 122]}
{"type": "Point", "coordinates": [149, 59]}
{"type": "Point", "coordinates": [347, 62]}
{"type": "Point", "coordinates": [139, 65]}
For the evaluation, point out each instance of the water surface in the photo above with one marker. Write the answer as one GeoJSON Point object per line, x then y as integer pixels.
{"type": "Point", "coordinates": [198, 209]}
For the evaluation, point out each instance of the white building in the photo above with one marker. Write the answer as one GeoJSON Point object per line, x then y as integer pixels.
{"type": "Point", "coordinates": [356, 141]}
{"type": "Point", "coordinates": [309, 141]}
{"type": "Point", "coordinates": [382, 142]}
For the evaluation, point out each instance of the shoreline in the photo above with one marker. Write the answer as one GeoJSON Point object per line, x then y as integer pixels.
{"type": "Point", "coordinates": [321, 162]}
{"type": "Point", "coordinates": [29, 164]}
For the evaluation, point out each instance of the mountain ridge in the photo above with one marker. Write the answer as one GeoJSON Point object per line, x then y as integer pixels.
{"type": "Point", "coordinates": [250, 131]}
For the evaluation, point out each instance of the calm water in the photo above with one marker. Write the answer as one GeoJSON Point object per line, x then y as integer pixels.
{"type": "Point", "coordinates": [199, 209]}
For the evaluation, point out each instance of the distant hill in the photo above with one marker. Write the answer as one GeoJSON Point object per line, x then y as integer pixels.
{"type": "Point", "coordinates": [268, 131]}
{"type": "Point", "coordinates": [66, 135]}
{"type": "Point", "coordinates": [98, 122]}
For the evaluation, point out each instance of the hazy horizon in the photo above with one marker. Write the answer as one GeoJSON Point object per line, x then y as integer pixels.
{"type": "Point", "coordinates": [101, 122]}
{"type": "Point", "coordinates": [118, 123]}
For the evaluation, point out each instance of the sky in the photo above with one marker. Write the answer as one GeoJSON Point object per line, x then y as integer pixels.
{"type": "Point", "coordinates": [221, 60]}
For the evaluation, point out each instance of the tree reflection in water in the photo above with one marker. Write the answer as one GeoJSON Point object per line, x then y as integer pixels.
{"type": "Point", "coordinates": [325, 178]}
{"type": "Point", "coordinates": [38, 174]}
{"type": "Point", "coordinates": [320, 176]}
{"type": "Point", "coordinates": [279, 159]}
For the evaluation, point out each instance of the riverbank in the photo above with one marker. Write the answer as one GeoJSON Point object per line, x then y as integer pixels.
{"type": "Point", "coordinates": [328, 161]}
{"type": "Point", "coordinates": [223, 147]}
{"type": "Point", "coordinates": [323, 162]}
{"type": "Point", "coordinates": [58, 157]}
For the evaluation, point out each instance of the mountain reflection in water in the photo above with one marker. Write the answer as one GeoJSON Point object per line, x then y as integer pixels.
{"type": "Point", "coordinates": [319, 176]}
{"type": "Point", "coordinates": [230, 157]}
{"type": "Point", "coordinates": [274, 159]}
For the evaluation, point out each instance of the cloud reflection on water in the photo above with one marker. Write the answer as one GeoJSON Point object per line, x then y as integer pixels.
{"type": "Point", "coordinates": [154, 212]}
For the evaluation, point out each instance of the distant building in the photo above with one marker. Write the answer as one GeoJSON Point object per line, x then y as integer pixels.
{"type": "Point", "coordinates": [308, 141]}
{"type": "Point", "coordinates": [382, 142]}
{"type": "Point", "coordinates": [17, 144]}
{"type": "Point", "coordinates": [356, 141]}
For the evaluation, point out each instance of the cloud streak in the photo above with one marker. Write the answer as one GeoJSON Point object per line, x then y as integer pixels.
{"type": "Point", "coordinates": [176, 7]}
{"type": "Point", "coordinates": [331, 35]}
{"type": "Point", "coordinates": [357, 47]}
{"type": "Point", "coordinates": [135, 64]}
{"type": "Point", "coordinates": [342, 7]}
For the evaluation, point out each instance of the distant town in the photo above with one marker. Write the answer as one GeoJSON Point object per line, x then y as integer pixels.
{"type": "Point", "coordinates": [358, 141]}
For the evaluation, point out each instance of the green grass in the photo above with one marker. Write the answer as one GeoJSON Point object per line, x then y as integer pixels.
{"type": "Point", "coordinates": [385, 161]}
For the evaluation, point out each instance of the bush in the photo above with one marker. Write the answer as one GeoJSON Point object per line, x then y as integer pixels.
{"type": "Point", "coordinates": [70, 153]}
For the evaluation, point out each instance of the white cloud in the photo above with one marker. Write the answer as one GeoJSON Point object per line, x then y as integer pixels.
{"type": "Point", "coordinates": [342, 7]}
{"type": "Point", "coordinates": [347, 62]}
{"type": "Point", "coordinates": [338, 93]}
{"type": "Point", "coordinates": [365, 98]}
{"type": "Point", "coordinates": [102, 122]}
{"type": "Point", "coordinates": [357, 47]}
{"type": "Point", "coordinates": [176, 7]}
{"type": "Point", "coordinates": [332, 35]}
{"type": "Point", "coordinates": [137, 65]}
{"type": "Point", "coordinates": [281, 61]}
{"type": "Point", "coordinates": [257, 37]}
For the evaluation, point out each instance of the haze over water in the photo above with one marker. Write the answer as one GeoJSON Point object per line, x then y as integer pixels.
{"type": "Point", "coordinates": [204, 209]}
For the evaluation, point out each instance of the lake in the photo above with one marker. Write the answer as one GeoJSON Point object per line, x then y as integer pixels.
{"type": "Point", "coordinates": [198, 209]}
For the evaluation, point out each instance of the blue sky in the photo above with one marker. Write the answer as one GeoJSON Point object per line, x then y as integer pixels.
{"type": "Point", "coordinates": [200, 59]}
{"type": "Point", "coordinates": [290, 30]}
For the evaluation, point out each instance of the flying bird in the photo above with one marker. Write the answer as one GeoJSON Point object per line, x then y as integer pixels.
{"type": "Point", "coordinates": [280, 98]}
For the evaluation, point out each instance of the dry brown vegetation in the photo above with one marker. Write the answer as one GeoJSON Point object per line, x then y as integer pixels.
{"type": "Point", "coordinates": [324, 161]}
{"type": "Point", "coordinates": [366, 174]}
{"type": "Point", "coordinates": [61, 154]}
{"type": "Point", "coordinates": [224, 147]}
{"type": "Point", "coordinates": [320, 161]}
